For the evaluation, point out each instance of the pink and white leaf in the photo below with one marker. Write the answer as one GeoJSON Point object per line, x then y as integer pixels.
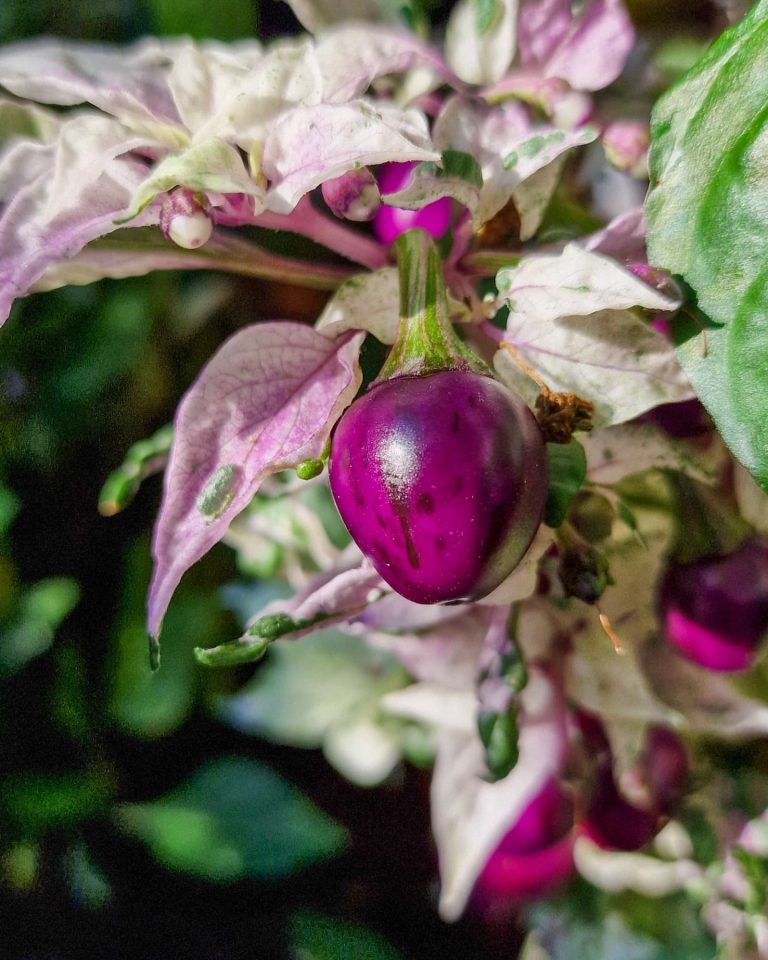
{"type": "Point", "coordinates": [315, 15]}
{"type": "Point", "coordinates": [30, 242]}
{"type": "Point", "coordinates": [445, 655]}
{"type": "Point", "coordinates": [85, 148]}
{"type": "Point", "coordinates": [470, 815]}
{"type": "Point", "coordinates": [204, 81]}
{"type": "Point", "coordinates": [286, 76]}
{"type": "Point", "coordinates": [353, 55]}
{"type": "Point", "coordinates": [371, 302]}
{"type": "Point", "coordinates": [570, 320]}
{"type": "Point", "coordinates": [23, 161]}
{"type": "Point", "coordinates": [308, 145]}
{"type": "Point", "coordinates": [265, 402]}
{"type": "Point", "coordinates": [427, 187]}
{"type": "Point", "coordinates": [25, 120]}
{"type": "Point", "coordinates": [588, 49]}
{"type": "Point", "coordinates": [332, 598]}
{"type": "Point", "coordinates": [509, 150]}
{"type": "Point", "coordinates": [575, 282]}
{"type": "Point", "coordinates": [127, 84]}
{"type": "Point", "coordinates": [711, 703]}
{"type": "Point", "coordinates": [618, 452]}
{"type": "Point", "coordinates": [623, 239]}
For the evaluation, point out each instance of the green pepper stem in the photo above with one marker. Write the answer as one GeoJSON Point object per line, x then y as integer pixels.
{"type": "Point", "coordinates": [426, 341]}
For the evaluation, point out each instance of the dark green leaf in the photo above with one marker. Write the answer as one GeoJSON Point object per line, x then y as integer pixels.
{"type": "Point", "coordinates": [224, 20]}
{"type": "Point", "coordinates": [9, 507]}
{"type": "Point", "coordinates": [499, 733]}
{"type": "Point", "coordinates": [456, 163]}
{"type": "Point", "coordinates": [142, 702]}
{"type": "Point", "coordinates": [314, 937]}
{"type": "Point", "coordinates": [707, 211]}
{"type": "Point", "coordinates": [567, 470]}
{"type": "Point", "coordinates": [234, 819]}
{"type": "Point", "coordinates": [35, 803]}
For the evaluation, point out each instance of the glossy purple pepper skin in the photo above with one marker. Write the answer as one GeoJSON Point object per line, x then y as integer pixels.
{"type": "Point", "coordinates": [441, 480]}
{"type": "Point", "coordinates": [715, 611]}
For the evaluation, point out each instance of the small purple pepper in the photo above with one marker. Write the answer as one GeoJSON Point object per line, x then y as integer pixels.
{"type": "Point", "coordinates": [535, 856]}
{"type": "Point", "coordinates": [441, 480]}
{"type": "Point", "coordinates": [390, 222]}
{"type": "Point", "coordinates": [662, 771]}
{"type": "Point", "coordinates": [715, 611]}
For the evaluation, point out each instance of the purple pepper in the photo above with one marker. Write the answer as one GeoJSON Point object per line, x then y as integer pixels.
{"type": "Point", "coordinates": [441, 480]}
{"type": "Point", "coordinates": [715, 611]}
{"type": "Point", "coordinates": [536, 854]}
{"type": "Point", "coordinates": [610, 820]}
{"type": "Point", "coordinates": [390, 222]}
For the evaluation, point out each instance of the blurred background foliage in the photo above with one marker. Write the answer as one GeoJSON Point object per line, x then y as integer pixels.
{"type": "Point", "coordinates": [135, 822]}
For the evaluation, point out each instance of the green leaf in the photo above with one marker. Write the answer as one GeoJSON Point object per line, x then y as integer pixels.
{"type": "Point", "coordinates": [567, 471]}
{"type": "Point", "coordinates": [225, 20]}
{"type": "Point", "coordinates": [707, 211]}
{"type": "Point", "coordinates": [141, 702]}
{"type": "Point", "coordinates": [36, 803]}
{"type": "Point", "coordinates": [456, 163]}
{"type": "Point", "coordinates": [314, 937]}
{"type": "Point", "coordinates": [42, 608]}
{"type": "Point", "coordinates": [9, 507]}
{"type": "Point", "coordinates": [499, 733]}
{"type": "Point", "coordinates": [234, 819]}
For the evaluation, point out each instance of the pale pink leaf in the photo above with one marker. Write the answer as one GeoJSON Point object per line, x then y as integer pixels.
{"type": "Point", "coordinates": [446, 654]}
{"type": "Point", "coordinates": [30, 241]}
{"type": "Point", "coordinates": [510, 150]}
{"type": "Point", "coordinates": [128, 84]}
{"type": "Point", "coordinates": [470, 815]}
{"type": "Point", "coordinates": [315, 15]}
{"type": "Point", "coordinates": [265, 402]}
{"type": "Point", "coordinates": [571, 320]}
{"type": "Point", "coordinates": [333, 597]}
{"type": "Point", "coordinates": [353, 55]}
{"type": "Point", "coordinates": [542, 26]}
{"type": "Point", "coordinates": [588, 49]}
{"type": "Point", "coordinates": [620, 451]}
{"type": "Point", "coordinates": [308, 145]}
{"type": "Point", "coordinates": [623, 239]}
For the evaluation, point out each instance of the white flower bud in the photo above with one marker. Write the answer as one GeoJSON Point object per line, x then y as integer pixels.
{"type": "Point", "coordinates": [353, 196]}
{"type": "Point", "coordinates": [185, 219]}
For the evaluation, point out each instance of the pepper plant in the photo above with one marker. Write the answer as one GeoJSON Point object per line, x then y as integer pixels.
{"type": "Point", "coordinates": [506, 386]}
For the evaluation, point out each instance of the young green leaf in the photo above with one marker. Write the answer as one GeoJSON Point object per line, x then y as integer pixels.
{"type": "Point", "coordinates": [567, 471]}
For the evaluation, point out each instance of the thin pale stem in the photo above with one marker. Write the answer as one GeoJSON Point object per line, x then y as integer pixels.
{"type": "Point", "coordinates": [222, 252]}
{"type": "Point", "coordinates": [488, 262]}
{"type": "Point", "coordinates": [329, 232]}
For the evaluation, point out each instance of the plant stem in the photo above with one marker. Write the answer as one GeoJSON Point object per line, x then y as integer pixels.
{"type": "Point", "coordinates": [330, 232]}
{"type": "Point", "coordinates": [426, 341]}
